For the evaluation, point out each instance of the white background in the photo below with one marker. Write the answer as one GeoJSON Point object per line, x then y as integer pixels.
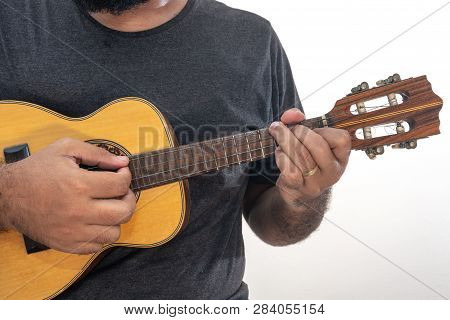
{"type": "Point", "coordinates": [398, 204]}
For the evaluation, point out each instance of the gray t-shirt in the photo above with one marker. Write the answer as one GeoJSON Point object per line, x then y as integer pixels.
{"type": "Point", "coordinates": [211, 67]}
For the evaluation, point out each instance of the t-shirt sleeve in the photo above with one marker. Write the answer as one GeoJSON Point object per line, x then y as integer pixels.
{"type": "Point", "coordinates": [284, 97]}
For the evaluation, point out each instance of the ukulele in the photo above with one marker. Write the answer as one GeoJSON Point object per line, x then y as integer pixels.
{"type": "Point", "coordinates": [160, 168]}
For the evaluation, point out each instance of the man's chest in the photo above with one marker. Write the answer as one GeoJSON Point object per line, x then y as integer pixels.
{"type": "Point", "coordinates": [192, 86]}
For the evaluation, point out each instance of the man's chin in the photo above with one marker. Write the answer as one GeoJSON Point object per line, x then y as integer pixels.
{"type": "Point", "coordinates": [116, 7]}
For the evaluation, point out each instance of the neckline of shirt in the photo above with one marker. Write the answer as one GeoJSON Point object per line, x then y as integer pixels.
{"type": "Point", "coordinates": [165, 26]}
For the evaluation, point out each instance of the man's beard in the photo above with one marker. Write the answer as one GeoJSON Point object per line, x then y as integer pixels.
{"type": "Point", "coordinates": [111, 6]}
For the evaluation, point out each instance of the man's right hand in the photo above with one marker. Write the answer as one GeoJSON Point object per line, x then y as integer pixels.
{"type": "Point", "coordinates": [49, 198]}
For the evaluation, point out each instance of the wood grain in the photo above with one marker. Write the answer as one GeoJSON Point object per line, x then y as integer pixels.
{"type": "Point", "coordinates": [420, 109]}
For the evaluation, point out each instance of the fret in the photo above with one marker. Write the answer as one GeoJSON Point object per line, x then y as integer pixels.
{"type": "Point", "coordinates": [204, 155]}
{"type": "Point", "coordinates": [193, 159]}
{"type": "Point", "coordinates": [260, 143]}
{"type": "Point", "coordinates": [135, 181]}
{"type": "Point", "coordinates": [186, 162]}
{"type": "Point", "coordinates": [170, 167]}
{"type": "Point", "coordinates": [161, 174]}
{"type": "Point", "coordinates": [167, 172]}
{"type": "Point", "coordinates": [248, 146]}
{"type": "Point", "coordinates": [153, 163]}
{"type": "Point", "coordinates": [184, 165]}
{"type": "Point", "coordinates": [195, 164]}
{"type": "Point", "coordinates": [176, 166]}
{"type": "Point", "coordinates": [225, 151]}
{"type": "Point", "coordinates": [214, 155]}
{"type": "Point", "coordinates": [142, 163]}
{"type": "Point", "coordinates": [236, 147]}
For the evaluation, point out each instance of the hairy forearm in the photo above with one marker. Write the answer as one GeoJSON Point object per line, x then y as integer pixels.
{"type": "Point", "coordinates": [279, 223]}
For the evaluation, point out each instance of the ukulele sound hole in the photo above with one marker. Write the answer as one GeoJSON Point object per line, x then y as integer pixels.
{"type": "Point", "coordinates": [113, 148]}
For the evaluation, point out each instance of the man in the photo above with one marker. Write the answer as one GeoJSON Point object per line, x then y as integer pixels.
{"type": "Point", "coordinates": [205, 66]}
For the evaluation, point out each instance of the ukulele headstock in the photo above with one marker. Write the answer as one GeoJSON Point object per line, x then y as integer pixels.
{"type": "Point", "coordinates": [396, 113]}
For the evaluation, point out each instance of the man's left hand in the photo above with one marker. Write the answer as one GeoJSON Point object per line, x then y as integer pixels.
{"type": "Point", "coordinates": [310, 161]}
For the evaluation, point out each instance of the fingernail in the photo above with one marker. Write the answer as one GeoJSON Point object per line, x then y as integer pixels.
{"type": "Point", "coordinates": [123, 158]}
{"type": "Point", "coordinates": [299, 111]}
{"type": "Point", "coordinates": [275, 125]}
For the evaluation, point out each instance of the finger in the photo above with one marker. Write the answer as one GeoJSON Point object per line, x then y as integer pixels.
{"type": "Point", "coordinates": [107, 185]}
{"type": "Point", "coordinates": [90, 155]}
{"type": "Point", "coordinates": [113, 211]}
{"type": "Point", "coordinates": [292, 116]}
{"type": "Point", "coordinates": [316, 145]}
{"type": "Point", "coordinates": [100, 235]}
{"type": "Point", "coordinates": [292, 147]}
{"type": "Point", "coordinates": [291, 177]}
{"type": "Point", "coordinates": [339, 141]}
{"type": "Point", "coordinates": [83, 248]}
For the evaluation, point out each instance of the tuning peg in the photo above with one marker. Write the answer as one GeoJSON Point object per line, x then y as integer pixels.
{"type": "Point", "coordinates": [411, 144]}
{"type": "Point", "coordinates": [405, 145]}
{"type": "Point", "coordinates": [400, 145]}
{"type": "Point", "coordinates": [360, 88]}
{"type": "Point", "coordinates": [379, 150]}
{"type": "Point", "coordinates": [392, 79]}
{"type": "Point", "coordinates": [372, 153]}
{"type": "Point", "coordinates": [400, 128]}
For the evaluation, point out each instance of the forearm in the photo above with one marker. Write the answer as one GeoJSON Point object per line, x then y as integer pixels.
{"type": "Point", "coordinates": [279, 223]}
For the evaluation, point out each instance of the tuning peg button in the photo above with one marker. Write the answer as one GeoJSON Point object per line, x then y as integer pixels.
{"type": "Point", "coordinates": [360, 88]}
{"type": "Point", "coordinates": [400, 128]}
{"type": "Point", "coordinates": [405, 145]}
{"type": "Point", "coordinates": [392, 79]}
{"type": "Point", "coordinates": [380, 150]}
{"type": "Point", "coordinates": [400, 145]}
{"type": "Point", "coordinates": [372, 153]}
{"type": "Point", "coordinates": [411, 144]}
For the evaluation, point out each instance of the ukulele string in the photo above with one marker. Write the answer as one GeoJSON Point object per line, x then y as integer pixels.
{"type": "Point", "coordinates": [206, 170]}
{"type": "Point", "coordinates": [205, 162]}
{"type": "Point", "coordinates": [221, 141]}
{"type": "Point", "coordinates": [248, 152]}
{"type": "Point", "coordinates": [227, 139]}
{"type": "Point", "coordinates": [215, 160]}
{"type": "Point", "coordinates": [224, 139]}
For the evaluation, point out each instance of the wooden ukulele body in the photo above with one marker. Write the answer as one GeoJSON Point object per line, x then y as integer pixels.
{"type": "Point", "coordinates": [132, 125]}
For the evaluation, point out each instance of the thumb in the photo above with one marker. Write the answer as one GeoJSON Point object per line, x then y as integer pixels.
{"type": "Point", "coordinates": [90, 155]}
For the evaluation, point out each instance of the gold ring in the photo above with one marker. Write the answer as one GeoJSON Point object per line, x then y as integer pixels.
{"type": "Point", "coordinates": [311, 172]}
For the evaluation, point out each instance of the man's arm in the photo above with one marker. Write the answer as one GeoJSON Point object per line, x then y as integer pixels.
{"type": "Point", "coordinates": [310, 163]}
{"type": "Point", "coordinates": [278, 223]}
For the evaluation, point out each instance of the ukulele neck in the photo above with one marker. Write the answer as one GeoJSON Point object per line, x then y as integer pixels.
{"type": "Point", "coordinates": [165, 166]}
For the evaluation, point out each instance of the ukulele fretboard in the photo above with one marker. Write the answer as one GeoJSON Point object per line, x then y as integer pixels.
{"type": "Point", "coordinates": [165, 166]}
